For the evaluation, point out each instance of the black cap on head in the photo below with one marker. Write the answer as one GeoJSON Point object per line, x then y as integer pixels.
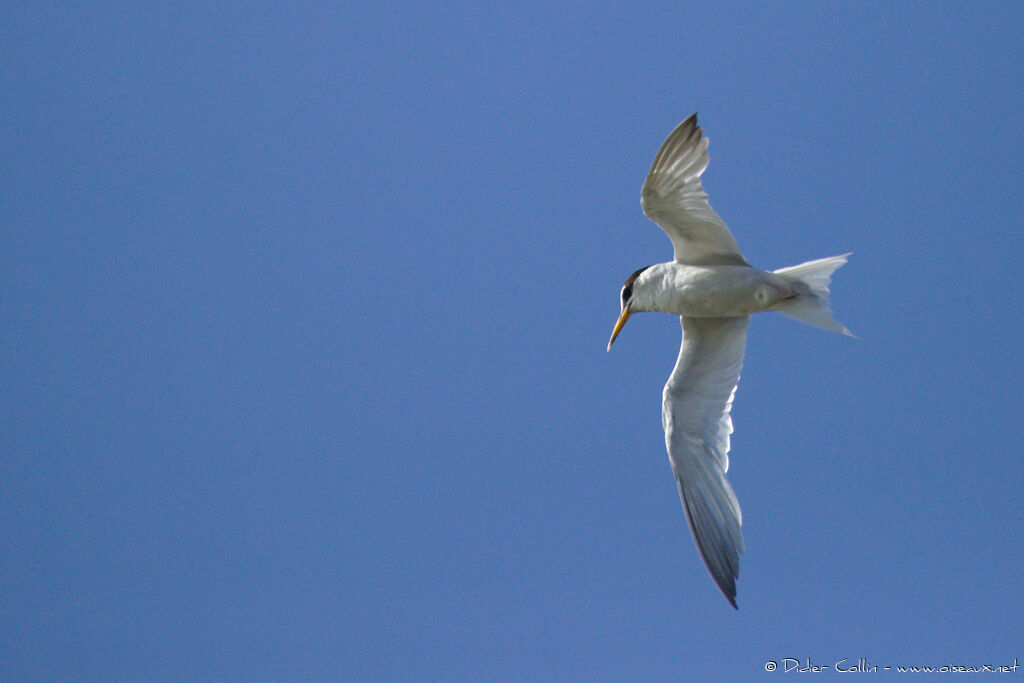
{"type": "Point", "coordinates": [627, 288]}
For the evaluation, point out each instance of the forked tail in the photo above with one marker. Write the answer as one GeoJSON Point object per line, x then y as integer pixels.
{"type": "Point", "coordinates": [812, 280]}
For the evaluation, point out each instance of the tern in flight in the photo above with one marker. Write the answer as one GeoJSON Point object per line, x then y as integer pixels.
{"type": "Point", "coordinates": [713, 290]}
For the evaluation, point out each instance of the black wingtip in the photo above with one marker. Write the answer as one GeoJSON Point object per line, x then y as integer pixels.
{"type": "Point", "coordinates": [730, 594]}
{"type": "Point", "coordinates": [691, 123]}
{"type": "Point", "coordinates": [727, 588]}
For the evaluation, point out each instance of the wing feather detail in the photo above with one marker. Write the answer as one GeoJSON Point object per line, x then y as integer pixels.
{"type": "Point", "coordinates": [673, 197]}
{"type": "Point", "coordinates": [695, 413]}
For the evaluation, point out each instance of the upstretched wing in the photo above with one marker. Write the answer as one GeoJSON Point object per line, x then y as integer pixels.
{"type": "Point", "coordinates": [695, 414]}
{"type": "Point", "coordinates": [673, 197]}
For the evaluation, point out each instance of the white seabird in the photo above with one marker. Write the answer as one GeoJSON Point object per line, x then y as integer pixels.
{"type": "Point", "coordinates": [714, 290]}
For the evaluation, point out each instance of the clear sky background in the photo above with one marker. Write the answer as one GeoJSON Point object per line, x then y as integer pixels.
{"type": "Point", "coordinates": [303, 313]}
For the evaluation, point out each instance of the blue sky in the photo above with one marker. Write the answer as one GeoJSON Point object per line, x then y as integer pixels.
{"type": "Point", "coordinates": [304, 311]}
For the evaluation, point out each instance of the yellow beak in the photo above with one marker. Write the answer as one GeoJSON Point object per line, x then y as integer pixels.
{"type": "Point", "coordinates": [623, 317]}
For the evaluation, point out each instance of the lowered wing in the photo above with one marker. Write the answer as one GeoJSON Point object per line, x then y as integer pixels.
{"type": "Point", "coordinates": [695, 414]}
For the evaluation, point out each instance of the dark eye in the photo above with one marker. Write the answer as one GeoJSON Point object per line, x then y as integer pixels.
{"type": "Point", "coordinates": [627, 293]}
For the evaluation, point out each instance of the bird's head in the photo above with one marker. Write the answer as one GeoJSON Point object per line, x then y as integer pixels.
{"type": "Point", "coordinates": [628, 307]}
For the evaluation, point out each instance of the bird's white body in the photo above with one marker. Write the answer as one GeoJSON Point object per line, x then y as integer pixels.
{"type": "Point", "coordinates": [714, 291]}
{"type": "Point", "coordinates": [710, 291]}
